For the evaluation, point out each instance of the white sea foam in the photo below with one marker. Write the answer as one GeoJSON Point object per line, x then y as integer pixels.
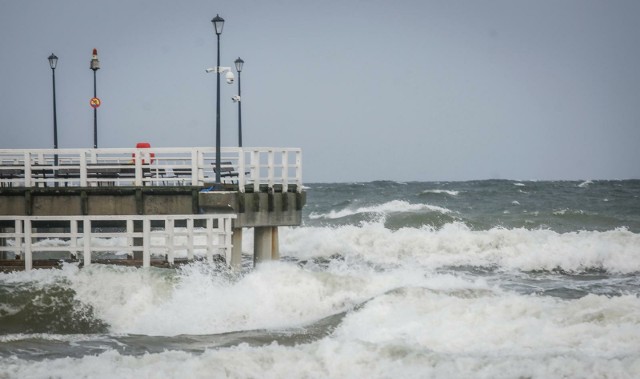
{"type": "Point", "coordinates": [413, 332]}
{"type": "Point", "coordinates": [472, 322]}
{"type": "Point", "coordinates": [411, 322]}
{"type": "Point", "coordinates": [440, 191]}
{"type": "Point", "coordinates": [394, 206]}
{"type": "Point", "coordinates": [565, 211]}
{"type": "Point", "coordinates": [329, 359]}
{"type": "Point", "coordinates": [585, 184]}
{"type": "Point", "coordinates": [273, 296]}
{"type": "Point", "coordinates": [455, 245]}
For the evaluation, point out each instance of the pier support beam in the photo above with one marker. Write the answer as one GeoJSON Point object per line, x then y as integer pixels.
{"type": "Point", "coordinates": [236, 250]}
{"type": "Point", "coordinates": [265, 244]}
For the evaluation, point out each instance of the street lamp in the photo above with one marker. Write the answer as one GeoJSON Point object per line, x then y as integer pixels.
{"type": "Point", "coordinates": [218, 23]}
{"type": "Point", "coordinates": [53, 62]}
{"type": "Point", "coordinates": [239, 62]}
{"type": "Point", "coordinates": [95, 103]}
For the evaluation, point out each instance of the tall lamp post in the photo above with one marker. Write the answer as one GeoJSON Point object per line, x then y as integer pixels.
{"type": "Point", "coordinates": [53, 62]}
{"type": "Point", "coordinates": [218, 23]}
{"type": "Point", "coordinates": [239, 62]}
{"type": "Point", "coordinates": [95, 66]}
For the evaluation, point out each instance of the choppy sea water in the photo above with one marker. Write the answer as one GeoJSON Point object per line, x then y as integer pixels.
{"type": "Point", "coordinates": [484, 279]}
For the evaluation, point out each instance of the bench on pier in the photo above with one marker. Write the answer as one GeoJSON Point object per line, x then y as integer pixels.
{"type": "Point", "coordinates": [17, 172]}
{"type": "Point", "coordinates": [147, 172]}
{"type": "Point", "coordinates": [104, 173]}
{"type": "Point", "coordinates": [227, 171]}
{"type": "Point", "coordinates": [7, 175]}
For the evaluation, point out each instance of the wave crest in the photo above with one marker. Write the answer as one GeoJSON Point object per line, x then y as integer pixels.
{"type": "Point", "coordinates": [455, 244]}
{"type": "Point", "coordinates": [394, 206]}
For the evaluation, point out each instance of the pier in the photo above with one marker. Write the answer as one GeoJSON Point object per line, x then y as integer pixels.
{"type": "Point", "coordinates": [145, 206]}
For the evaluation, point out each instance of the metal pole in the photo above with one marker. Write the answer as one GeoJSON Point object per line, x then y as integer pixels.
{"type": "Point", "coordinates": [95, 114]}
{"type": "Point", "coordinates": [55, 118]}
{"type": "Point", "coordinates": [218, 116]}
{"type": "Point", "coordinates": [239, 113]}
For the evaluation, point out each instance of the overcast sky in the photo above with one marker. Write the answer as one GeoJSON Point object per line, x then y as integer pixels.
{"type": "Point", "coordinates": [397, 90]}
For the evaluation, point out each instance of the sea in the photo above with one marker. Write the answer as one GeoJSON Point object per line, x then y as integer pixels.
{"type": "Point", "coordinates": [470, 279]}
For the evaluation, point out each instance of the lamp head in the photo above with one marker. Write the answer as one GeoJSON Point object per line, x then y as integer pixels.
{"type": "Point", "coordinates": [53, 61]}
{"type": "Point", "coordinates": [218, 24]}
{"type": "Point", "coordinates": [239, 62]}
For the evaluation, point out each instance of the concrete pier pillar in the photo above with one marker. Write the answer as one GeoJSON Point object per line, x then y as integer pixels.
{"type": "Point", "coordinates": [262, 244]}
{"type": "Point", "coordinates": [275, 245]}
{"type": "Point", "coordinates": [265, 244]}
{"type": "Point", "coordinates": [236, 250]}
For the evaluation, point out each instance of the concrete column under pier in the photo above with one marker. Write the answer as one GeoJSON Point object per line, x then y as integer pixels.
{"type": "Point", "coordinates": [236, 250]}
{"type": "Point", "coordinates": [275, 244]}
{"type": "Point", "coordinates": [265, 244]}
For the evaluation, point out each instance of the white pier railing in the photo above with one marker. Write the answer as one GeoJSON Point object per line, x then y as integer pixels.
{"type": "Point", "coordinates": [244, 167]}
{"type": "Point", "coordinates": [38, 237]}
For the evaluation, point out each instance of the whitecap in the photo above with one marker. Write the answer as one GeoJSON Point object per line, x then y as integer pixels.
{"type": "Point", "coordinates": [394, 206]}
{"type": "Point", "coordinates": [439, 191]}
{"type": "Point", "coordinates": [585, 184]}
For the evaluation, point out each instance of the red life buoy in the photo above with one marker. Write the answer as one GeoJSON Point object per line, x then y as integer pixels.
{"type": "Point", "coordinates": [146, 157]}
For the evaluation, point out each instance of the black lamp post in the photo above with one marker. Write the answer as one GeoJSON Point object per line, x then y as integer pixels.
{"type": "Point", "coordinates": [218, 23]}
{"type": "Point", "coordinates": [95, 66]}
{"type": "Point", "coordinates": [53, 62]}
{"type": "Point", "coordinates": [239, 62]}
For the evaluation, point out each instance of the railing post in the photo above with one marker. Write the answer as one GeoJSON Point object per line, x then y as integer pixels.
{"type": "Point", "coordinates": [271, 167]}
{"type": "Point", "coordinates": [285, 171]}
{"type": "Point", "coordinates": [228, 241]}
{"type": "Point", "coordinates": [86, 240]}
{"type": "Point", "coordinates": [19, 237]}
{"type": "Point", "coordinates": [73, 238]}
{"type": "Point", "coordinates": [27, 169]}
{"type": "Point", "coordinates": [298, 170]}
{"type": "Point", "coordinates": [195, 166]}
{"type": "Point", "coordinates": [169, 226]}
{"type": "Point", "coordinates": [28, 256]}
{"type": "Point", "coordinates": [209, 229]}
{"type": "Point", "coordinates": [130, 231]}
{"type": "Point", "coordinates": [190, 238]}
{"type": "Point", "coordinates": [138, 168]}
{"type": "Point", "coordinates": [241, 170]}
{"type": "Point", "coordinates": [201, 168]}
{"type": "Point", "coordinates": [83, 169]}
{"type": "Point", "coordinates": [255, 169]}
{"type": "Point", "coordinates": [146, 238]}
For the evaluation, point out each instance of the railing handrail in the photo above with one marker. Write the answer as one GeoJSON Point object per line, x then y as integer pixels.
{"type": "Point", "coordinates": [195, 166]}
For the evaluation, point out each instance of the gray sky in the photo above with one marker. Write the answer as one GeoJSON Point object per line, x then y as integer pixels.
{"type": "Point", "coordinates": [397, 90]}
